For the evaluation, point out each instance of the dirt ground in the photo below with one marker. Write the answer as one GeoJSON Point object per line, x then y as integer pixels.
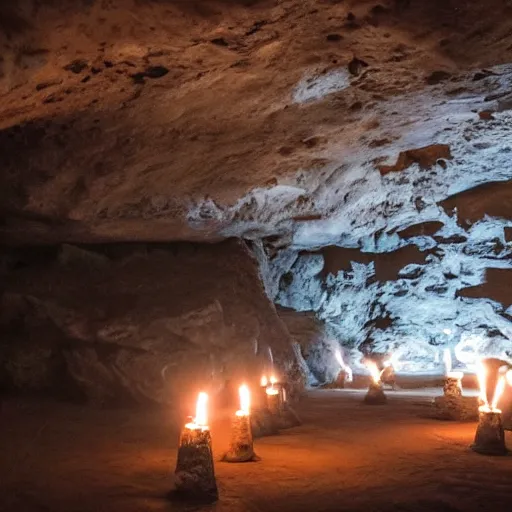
{"type": "Point", "coordinates": [345, 457]}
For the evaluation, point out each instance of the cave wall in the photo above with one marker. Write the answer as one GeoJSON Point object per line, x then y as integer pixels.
{"type": "Point", "coordinates": [448, 290]}
{"type": "Point", "coordinates": [135, 323]}
{"type": "Point", "coordinates": [364, 150]}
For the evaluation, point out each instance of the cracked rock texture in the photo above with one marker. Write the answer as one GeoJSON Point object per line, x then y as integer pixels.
{"type": "Point", "coordinates": [363, 148]}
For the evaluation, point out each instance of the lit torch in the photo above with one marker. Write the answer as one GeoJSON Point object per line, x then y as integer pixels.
{"type": "Point", "coordinates": [281, 391]}
{"type": "Point", "coordinates": [280, 411]}
{"type": "Point", "coordinates": [263, 423]}
{"type": "Point", "coordinates": [490, 436]}
{"type": "Point", "coordinates": [195, 474]}
{"type": "Point", "coordinates": [273, 401]}
{"type": "Point", "coordinates": [375, 394]}
{"type": "Point", "coordinates": [241, 448]}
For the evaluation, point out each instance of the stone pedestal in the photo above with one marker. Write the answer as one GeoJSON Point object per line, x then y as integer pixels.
{"type": "Point", "coordinates": [455, 408]}
{"type": "Point", "coordinates": [195, 473]}
{"type": "Point", "coordinates": [452, 387]}
{"type": "Point", "coordinates": [337, 383]}
{"type": "Point", "coordinates": [274, 403]}
{"type": "Point", "coordinates": [490, 436]}
{"type": "Point", "coordinates": [263, 423]}
{"type": "Point", "coordinates": [375, 395]}
{"type": "Point", "coordinates": [241, 448]}
{"type": "Point", "coordinates": [287, 418]}
{"type": "Point", "coordinates": [507, 422]}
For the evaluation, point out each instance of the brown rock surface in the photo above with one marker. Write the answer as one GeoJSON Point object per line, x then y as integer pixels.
{"type": "Point", "coordinates": [425, 157]}
{"type": "Point", "coordinates": [144, 326]}
{"type": "Point", "coordinates": [423, 229]}
{"type": "Point", "coordinates": [142, 120]}
{"type": "Point", "coordinates": [116, 117]}
{"type": "Point", "coordinates": [497, 286]}
{"type": "Point", "coordinates": [387, 265]}
{"type": "Point", "coordinates": [493, 199]}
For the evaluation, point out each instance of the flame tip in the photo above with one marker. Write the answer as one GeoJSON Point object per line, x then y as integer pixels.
{"type": "Point", "coordinates": [245, 399]}
{"type": "Point", "coordinates": [374, 371]}
{"type": "Point", "coordinates": [201, 418]}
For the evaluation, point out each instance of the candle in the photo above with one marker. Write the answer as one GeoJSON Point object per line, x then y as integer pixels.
{"type": "Point", "coordinates": [375, 394]}
{"type": "Point", "coordinates": [273, 401]}
{"type": "Point", "coordinates": [281, 391]}
{"type": "Point", "coordinates": [489, 436]}
{"type": "Point", "coordinates": [195, 474]}
{"type": "Point", "coordinates": [241, 447]}
{"type": "Point", "coordinates": [452, 386]}
{"type": "Point", "coordinates": [263, 422]}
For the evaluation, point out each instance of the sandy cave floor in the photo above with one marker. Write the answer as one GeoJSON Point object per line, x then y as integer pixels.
{"type": "Point", "coordinates": [345, 457]}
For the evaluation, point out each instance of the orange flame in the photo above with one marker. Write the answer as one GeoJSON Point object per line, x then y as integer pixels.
{"type": "Point", "coordinates": [272, 391]}
{"type": "Point", "coordinates": [498, 391]}
{"type": "Point", "coordinates": [264, 381]}
{"type": "Point", "coordinates": [508, 376]}
{"type": "Point", "coordinates": [374, 371]}
{"type": "Point", "coordinates": [245, 401]}
{"type": "Point", "coordinates": [500, 387]}
{"type": "Point", "coordinates": [273, 380]}
{"type": "Point", "coordinates": [201, 419]}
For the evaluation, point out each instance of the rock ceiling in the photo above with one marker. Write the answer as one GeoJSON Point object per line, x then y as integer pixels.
{"type": "Point", "coordinates": [377, 128]}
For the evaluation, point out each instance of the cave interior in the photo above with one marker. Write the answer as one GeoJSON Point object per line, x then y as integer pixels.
{"type": "Point", "coordinates": [194, 194]}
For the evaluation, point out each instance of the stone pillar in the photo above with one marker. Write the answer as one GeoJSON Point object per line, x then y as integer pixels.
{"type": "Point", "coordinates": [195, 473]}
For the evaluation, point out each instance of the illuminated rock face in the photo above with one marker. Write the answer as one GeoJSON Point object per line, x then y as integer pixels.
{"type": "Point", "coordinates": [383, 303]}
{"type": "Point", "coordinates": [369, 166]}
